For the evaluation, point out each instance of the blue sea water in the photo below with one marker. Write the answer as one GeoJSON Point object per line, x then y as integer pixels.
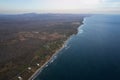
{"type": "Point", "coordinates": [92, 54]}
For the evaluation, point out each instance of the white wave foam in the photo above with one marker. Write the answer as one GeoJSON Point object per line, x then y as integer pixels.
{"type": "Point", "coordinates": [80, 31]}
{"type": "Point", "coordinates": [46, 65]}
{"type": "Point", "coordinates": [53, 59]}
{"type": "Point", "coordinates": [67, 47]}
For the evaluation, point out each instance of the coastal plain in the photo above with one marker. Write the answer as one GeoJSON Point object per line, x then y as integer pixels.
{"type": "Point", "coordinates": [27, 41]}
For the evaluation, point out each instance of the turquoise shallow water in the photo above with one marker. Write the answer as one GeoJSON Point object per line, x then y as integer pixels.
{"type": "Point", "coordinates": [92, 54]}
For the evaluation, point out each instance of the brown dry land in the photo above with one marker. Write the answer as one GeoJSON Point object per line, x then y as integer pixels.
{"type": "Point", "coordinates": [31, 39]}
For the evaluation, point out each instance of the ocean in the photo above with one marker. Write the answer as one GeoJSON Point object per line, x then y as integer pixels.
{"type": "Point", "coordinates": [92, 54]}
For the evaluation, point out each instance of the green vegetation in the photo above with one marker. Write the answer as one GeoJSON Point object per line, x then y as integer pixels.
{"type": "Point", "coordinates": [26, 43]}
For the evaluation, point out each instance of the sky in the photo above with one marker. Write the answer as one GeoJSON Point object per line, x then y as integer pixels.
{"type": "Point", "coordinates": [59, 6]}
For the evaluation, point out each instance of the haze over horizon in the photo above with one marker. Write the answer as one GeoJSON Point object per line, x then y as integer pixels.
{"type": "Point", "coordinates": [59, 6]}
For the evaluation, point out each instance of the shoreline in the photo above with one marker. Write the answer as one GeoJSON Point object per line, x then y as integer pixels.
{"type": "Point", "coordinates": [39, 70]}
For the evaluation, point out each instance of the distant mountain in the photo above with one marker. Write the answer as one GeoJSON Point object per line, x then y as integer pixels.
{"type": "Point", "coordinates": [34, 16]}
